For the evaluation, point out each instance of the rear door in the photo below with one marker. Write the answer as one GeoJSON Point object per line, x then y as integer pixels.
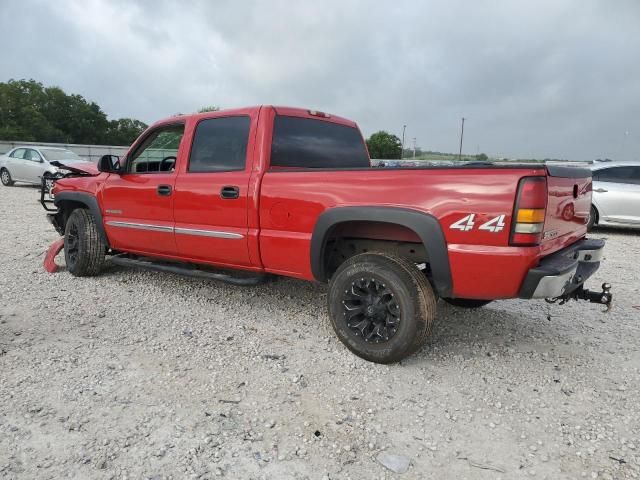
{"type": "Point", "coordinates": [211, 194]}
{"type": "Point", "coordinates": [616, 194]}
{"type": "Point", "coordinates": [138, 203]}
{"type": "Point", "coordinates": [15, 164]}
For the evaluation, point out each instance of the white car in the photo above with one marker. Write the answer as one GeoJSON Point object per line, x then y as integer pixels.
{"type": "Point", "coordinates": [30, 164]}
{"type": "Point", "coordinates": [616, 194]}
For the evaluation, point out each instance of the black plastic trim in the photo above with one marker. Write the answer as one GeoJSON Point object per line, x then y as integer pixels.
{"type": "Point", "coordinates": [560, 263]}
{"type": "Point", "coordinates": [91, 203]}
{"type": "Point", "coordinates": [564, 171]}
{"type": "Point", "coordinates": [187, 270]}
{"type": "Point", "coordinates": [424, 225]}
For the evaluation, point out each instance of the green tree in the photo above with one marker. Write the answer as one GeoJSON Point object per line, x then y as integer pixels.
{"type": "Point", "coordinates": [482, 157]}
{"type": "Point", "coordinates": [31, 112]}
{"type": "Point", "coordinates": [124, 131]}
{"type": "Point", "coordinates": [384, 145]}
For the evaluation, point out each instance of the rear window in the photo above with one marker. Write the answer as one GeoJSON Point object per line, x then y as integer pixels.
{"type": "Point", "coordinates": [309, 143]}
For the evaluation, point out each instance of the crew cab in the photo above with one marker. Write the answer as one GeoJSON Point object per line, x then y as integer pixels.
{"type": "Point", "coordinates": [246, 194]}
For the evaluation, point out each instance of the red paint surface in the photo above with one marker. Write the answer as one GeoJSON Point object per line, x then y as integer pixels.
{"type": "Point", "coordinates": [278, 209]}
{"type": "Point", "coordinates": [49, 262]}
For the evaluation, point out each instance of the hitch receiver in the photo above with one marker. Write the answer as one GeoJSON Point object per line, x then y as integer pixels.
{"type": "Point", "coordinates": [605, 297]}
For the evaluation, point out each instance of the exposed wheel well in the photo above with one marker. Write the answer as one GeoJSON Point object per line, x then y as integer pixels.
{"type": "Point", "coordinates": [350, 238]}
{"type": "Point", "coordinates": [65, 208]}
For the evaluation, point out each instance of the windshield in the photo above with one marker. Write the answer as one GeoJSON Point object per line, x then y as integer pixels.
{"type": "Point", "coordinates": [55, 154]}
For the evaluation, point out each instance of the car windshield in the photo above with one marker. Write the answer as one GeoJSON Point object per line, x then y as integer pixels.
{"type": "Point", "coordinates": [56, 154]}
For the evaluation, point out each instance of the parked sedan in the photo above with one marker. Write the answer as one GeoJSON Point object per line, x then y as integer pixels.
{"type": "Point", "coordinates": [616, 194]}
{"type": "Point", "coordinates": [30, 164]}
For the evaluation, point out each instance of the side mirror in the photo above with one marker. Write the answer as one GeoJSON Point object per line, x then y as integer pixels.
{"type": "Point", "coordinates": [109, 164]}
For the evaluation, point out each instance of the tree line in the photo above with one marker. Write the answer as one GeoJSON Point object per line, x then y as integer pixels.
{"type": "Point", "coordinates": [386, 146]}
{"type": "Point", "coordinates": [31, 112]}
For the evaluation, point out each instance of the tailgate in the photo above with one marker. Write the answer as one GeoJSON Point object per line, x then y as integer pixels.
{"type": "Point", "coordinates": [568, 205]}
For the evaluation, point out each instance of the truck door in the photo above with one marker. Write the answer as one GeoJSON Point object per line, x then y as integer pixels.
{"type": "Point", "coordinates": [211, 198]}
{"type": "Point", "coordinates": [138, 203]}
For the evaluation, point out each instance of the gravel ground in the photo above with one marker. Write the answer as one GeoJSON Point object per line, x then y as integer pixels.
{"type": "Point", "coordinates": [144, 375]}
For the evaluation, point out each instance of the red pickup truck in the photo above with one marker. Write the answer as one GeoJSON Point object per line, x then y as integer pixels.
{"type": "Point", "coordinates": [240, 195]}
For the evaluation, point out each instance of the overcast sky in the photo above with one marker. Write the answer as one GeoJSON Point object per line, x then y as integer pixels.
{"type": "Point", "coordinates": [538, 78]}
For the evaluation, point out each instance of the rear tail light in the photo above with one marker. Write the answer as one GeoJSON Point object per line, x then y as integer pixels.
{"type": "Point", "coordinates": [529, 211]}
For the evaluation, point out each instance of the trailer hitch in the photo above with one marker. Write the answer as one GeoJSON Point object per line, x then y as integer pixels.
{"type": "Point", "coordinates": [605, 297]}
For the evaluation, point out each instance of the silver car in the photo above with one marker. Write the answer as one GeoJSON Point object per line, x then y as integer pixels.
{"type": "Point", "coordinates": [30, 164]}
{"type": "Point", "coordinates": [616, 194]}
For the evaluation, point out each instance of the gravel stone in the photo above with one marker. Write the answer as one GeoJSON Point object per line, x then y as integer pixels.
{"type": "Point", "coordinates": [134, 374]}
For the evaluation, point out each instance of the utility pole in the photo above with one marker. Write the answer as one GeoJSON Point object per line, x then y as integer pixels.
{"type": "Point", "coordinates": [461, 136]}
{"type": "Point", "coordinates": [404, 127]}
{"type": "Point", "coordinates": [414, 148]}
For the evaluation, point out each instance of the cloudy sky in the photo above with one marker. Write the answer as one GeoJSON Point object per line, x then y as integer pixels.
{"type": "Point", "coordinates": [538, 78]}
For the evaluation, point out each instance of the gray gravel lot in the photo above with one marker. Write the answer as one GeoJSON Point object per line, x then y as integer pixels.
{"type": "Point", "coordinates": [144, 375]}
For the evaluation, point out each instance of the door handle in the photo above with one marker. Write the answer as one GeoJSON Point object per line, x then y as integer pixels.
{"type": "Point", "coordinates": [230, 192]}
{"type": "Point", "coordinates": [164, 190]}
{"type": "Point", "coordinates": [600, 190]}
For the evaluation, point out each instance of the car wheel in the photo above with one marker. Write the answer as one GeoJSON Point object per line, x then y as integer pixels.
{"type": "Point", "coordinates": [5, 177]}
{"type": "Point", "coordinates": [381, 306]}
{"type": "Point", "coordinates": [593, 218]}
{"type": "Point", "coordinates": [467, 302]}
{"type": "Point", "coordinates": [84, 248]}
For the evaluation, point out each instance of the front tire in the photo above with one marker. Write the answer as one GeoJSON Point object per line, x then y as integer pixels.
{"type": "Point", "coordinates": [381, 306]}
{"type": "Point", "coordinates": [467, 302]}
{"type": "Point", "coordinates": [5, 178]}
{"type": "Point", "coordinates": [84, 248]}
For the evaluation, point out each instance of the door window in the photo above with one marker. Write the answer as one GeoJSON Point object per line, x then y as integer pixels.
{"type": "Point", "coordinates": [31, 155]}
{"type": "Point", "coordinates": [628, 174]}
{"type": "Point", "coordinates": [220, 145]}
{"type": "Point", "coordinates": [158, 152]}
{"type": "Point", "coordinates": [19, 153]}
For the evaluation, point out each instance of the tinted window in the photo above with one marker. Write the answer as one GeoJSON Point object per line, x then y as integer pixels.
{"type": "Point", "coordinates": [618, 175]}
{"type": "Point", "coordinates": [220, 145]}
{"type": "Point", "coordinates": [309, 143]}
{"type": "Point", "coordinates": [158, 152]}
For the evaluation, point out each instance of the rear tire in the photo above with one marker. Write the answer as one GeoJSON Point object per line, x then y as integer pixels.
{"type": "Point", "coordinates": [467, 302]}
{"type": "Point", "coordinates": [5, 177]}
{"type": "Point", "coordinates": [593, 218]}
{"type": "Point", "coordinates": [84, 248]}
{"type": "Point", "coordinates": [381, 306]}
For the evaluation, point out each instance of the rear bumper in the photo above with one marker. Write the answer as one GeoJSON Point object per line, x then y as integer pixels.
{"type": "Point", "coordinates": [564, 271]}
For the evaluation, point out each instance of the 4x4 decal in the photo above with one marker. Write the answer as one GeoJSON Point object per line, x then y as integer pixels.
{"type": "Point", "coordinates": [467, 223]}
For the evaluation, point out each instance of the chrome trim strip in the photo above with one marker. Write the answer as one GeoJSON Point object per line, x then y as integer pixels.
{"type": "Point", "coordinates": [208, 233]}
{"type": "Point", "coordinates": [183, 231]}
{"type": "Point", "coordinates": [141, 226]}
{"type": "Point", "coordinates": [594, 255]}
{"type": "Point", "coordinates": [554, 285]}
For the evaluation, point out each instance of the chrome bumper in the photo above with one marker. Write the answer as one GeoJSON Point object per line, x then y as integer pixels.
{"type": "Point", "coordinates": [563, 272]}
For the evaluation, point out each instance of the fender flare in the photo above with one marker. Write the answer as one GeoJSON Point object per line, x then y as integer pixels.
{"type": "Point", "coordinates": [90, 202]}
{"type": "Point", "coordinates": [424, 225]}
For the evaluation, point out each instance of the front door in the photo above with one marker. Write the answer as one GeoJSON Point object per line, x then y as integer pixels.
{"type": "Point", "coordinates": [138, 203]}
{"type": "Point", "coordinates": [211, 193]}
{"type": "Point", "coordinates": [34, 166]}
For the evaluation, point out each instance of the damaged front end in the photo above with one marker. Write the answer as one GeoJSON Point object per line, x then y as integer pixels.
{"type": "Point", "coordinates": [47, 195]}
